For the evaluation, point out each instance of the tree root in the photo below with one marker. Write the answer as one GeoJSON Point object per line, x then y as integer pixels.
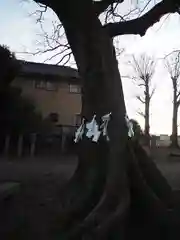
{"type": "Point", "coordinates": [85, 188]}
{"type": "Point", "coordinates": [153, 176]}
{"type": "Point", "coordinates": [133, 201]}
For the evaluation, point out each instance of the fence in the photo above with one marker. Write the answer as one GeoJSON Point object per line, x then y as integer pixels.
{"type": "Point", "coordinates": [37, 144]}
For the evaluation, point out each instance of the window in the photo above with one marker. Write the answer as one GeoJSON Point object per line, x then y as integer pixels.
{"type": "Point", "coordinates": [77, 119]}
{"type": "Point", "coordinates": [46, 85]}
{"type": "Point", "coordinates": [51, 86]}
{"type": "Point", "coordinates": [40, 84]}
{"type": "Point", "coordinates": [74, 88]}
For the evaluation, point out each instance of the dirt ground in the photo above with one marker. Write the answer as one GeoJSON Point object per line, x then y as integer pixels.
{"type": "Point", "coordinates": [169, 166]}
{"type": "Point", "coordinates": [30, 213]}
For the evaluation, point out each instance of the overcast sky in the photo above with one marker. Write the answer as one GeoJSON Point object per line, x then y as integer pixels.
{"type": "Point", "coordinates": [20, 32]}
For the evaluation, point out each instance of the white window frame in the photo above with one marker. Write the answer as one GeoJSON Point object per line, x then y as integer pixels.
{"type": "Point", "coordinates": [74, 88]}
{"type": "Point", "coordinates": [45, 85]}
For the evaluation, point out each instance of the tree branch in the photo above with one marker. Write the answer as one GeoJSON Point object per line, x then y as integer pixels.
{"type": "Point", "coordinates": [178, 95]}
{"type": "Point", "coordinates": [140, 25]}
{"type": "Point", "coordinates": [140, 99]}
{"type": "Point", "coordinates": [152, 93]}
{"type": "Point", "coordinates": [178, 103]}
{"type": "Point", "coordinates": [141, 85]}
{"type": "Point", "coordinates": [141, 113]}
{"type": "Point", "coordinates": [104, 4]}
{"type": "Point", "coordinates": [39, 13]}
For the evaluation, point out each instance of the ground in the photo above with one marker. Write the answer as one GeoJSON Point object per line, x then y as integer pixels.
{"type": "Point", "coordinates": [169, 166]}
{"type": "Point", "coordinates": [31, 212]}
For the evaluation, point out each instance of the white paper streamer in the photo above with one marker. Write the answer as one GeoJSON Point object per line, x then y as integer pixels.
{"type": "Point", "coordinates": [80, 131]}
{"type": "Point", "coordinates": [104, 125]}
{"type": "Point", "coordinates": [93, 130]}
{"type": "Point", "coordinates": [130, 127]}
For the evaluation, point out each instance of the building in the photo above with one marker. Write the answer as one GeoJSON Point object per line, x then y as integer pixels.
{"type": "Point", "coordinates": [55, 91]}
{"type": "Point", "coordinates": [164, 140]}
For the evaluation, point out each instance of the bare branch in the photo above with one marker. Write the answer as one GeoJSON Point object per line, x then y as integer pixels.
{"type": "Point", "coordinates": [67, 56]}
{"type": "Point", "coordinates": [39, 13]}
{"type": "Point", "coordinates": [152, 92]}
{"type": "Point", "coordinates": [62, 57]}
{"type": "Point", "coordinates": [119, 50]}
{"type": "Point", "coordinates": [101, 6]}
{"type": "Point", "coordinates": [172, 63]}
{"type": "Point", "coordinates": [144, 8]}
{"type": "Point", "coordinates": [141, 85]}
{"type": "Point", "coordinates": [178, 103]}
{"type": "Point", "coordinates": [141, 24]}
{"type": "Point", "coordinates": [178, 95]}
{"type": "Point", "coordinates": [144, 67]}
{"type": "Point", "coordinates": [141, 113]}
{"type": "Point", "coordinates": [53, 45]}
{"type": "Point", "coordinates": [140, 99]}
{"type": "Point", "coordinates": [112, 14]}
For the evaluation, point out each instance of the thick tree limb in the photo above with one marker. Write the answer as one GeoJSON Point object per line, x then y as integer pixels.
{"type": "Point", "coordinates": [136, 26]}
{"type": "Point", "coordinates": [140, 25]}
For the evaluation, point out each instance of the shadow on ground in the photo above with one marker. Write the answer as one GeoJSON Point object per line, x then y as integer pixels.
{"type": "Point", "coordinates": [29, 212]}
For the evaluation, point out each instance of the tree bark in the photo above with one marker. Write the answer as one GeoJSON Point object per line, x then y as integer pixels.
{"type": "Point", "coordinates": [101, 93]}
{"type": "Point", "coordinates": [174, 138]}
{"type": "Point", "coordinates": [110, 183]}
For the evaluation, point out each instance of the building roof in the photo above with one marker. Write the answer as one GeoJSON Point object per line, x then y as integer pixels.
{"type": "Point", "coordinates": [42, 69]}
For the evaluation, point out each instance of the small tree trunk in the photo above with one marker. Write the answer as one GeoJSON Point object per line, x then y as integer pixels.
{"type": "Point", "coordinates": [147, 103]}
{"type": "Point", "coordinates": [174, 139]}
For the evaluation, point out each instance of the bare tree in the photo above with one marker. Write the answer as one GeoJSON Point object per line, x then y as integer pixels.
{"type": "Point", "coordinates": [55, 44]}
{"type": "Point", "coordinates": [113, 177]}
{"type": "Point", "coordinates": [172, 63]}
{"type": "Point", "coordinates": [144, 67]}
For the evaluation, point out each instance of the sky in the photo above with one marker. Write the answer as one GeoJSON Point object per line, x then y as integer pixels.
{"type": "Point", "coordinates": [20, 32]}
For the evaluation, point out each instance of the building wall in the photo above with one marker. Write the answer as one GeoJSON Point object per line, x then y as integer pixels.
{"type": "Point", "coordinates": [61, 101]}
{"type": "Point", "coordinates": [165, 141]}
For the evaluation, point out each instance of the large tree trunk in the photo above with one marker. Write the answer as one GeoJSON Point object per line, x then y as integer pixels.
{"type": "Point", "coordinates": [109, 183]}
{"type": "Point", "coordinates": [174, 139]}
{"type": "Point", "coordinates": [102, 93]}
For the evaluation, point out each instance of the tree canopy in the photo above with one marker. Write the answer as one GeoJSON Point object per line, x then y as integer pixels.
{"type": "Point", "coordinates": [9, 67]}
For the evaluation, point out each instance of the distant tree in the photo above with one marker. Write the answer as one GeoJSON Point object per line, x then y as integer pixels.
{"type": "Point", "coordinates": [172, 63]}
{"type": "Point", "coordinates": [18, 114]}
{"type": "Point", "coordinates": [144, 67]}
{"type": "Point", "coordinates": [9, 67]}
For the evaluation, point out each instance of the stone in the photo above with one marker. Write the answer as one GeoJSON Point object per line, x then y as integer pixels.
{"type": "Point", "coordinates": [8, 189]}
